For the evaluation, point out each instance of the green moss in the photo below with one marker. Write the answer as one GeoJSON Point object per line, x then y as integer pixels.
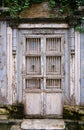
{"type": "Point", "coordinates": [3, 111]}
{"type": "Point", "coordinates": [15, 111]}
{"type": "Point", "coordinates": [4, 127]}
{"type": "Point", "coordinates": [74, 113]}
{"type": "Point", "coordinates": [74, 126]}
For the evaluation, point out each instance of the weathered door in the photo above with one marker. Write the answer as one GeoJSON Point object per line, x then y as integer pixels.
{"type": "Point", "coordinates": [43, 74]}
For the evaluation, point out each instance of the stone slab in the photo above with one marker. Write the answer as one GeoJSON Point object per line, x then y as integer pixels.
{"type": "Point", "coordinates": [15, 127]}
{"type": "Point", "coordinates": [46, 124]}
{"type": "Point", "coordinates": [3, 117]}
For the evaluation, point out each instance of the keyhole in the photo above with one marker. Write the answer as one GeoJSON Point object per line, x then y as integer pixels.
{"type": "Point", "coordinates": [33, 67]}
{"type": "Point", "coordinates": [53, 67]}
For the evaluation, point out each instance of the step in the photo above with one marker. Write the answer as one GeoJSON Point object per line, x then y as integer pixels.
{"type": "Point", "coordinates": [45, 124]}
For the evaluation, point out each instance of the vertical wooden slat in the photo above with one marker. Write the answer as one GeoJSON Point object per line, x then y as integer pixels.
{"type": "Point", "coordinates": [14, 72]}
{"type": "Point", "coordinates": [22, 66]}
{"type": "Point", "coordinates": [44, 61]}
{"type": "Point", "coordinates": [62, 61]}
{"type": "Point", "coordinates": [9, 64]}
{"type": "Point", "coordinates": [72, 82]}
{"type": "Point", "coordinates": [77, 67]}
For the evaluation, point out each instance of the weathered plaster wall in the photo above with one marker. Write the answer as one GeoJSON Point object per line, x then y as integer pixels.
{"type": "Point", "coordinates": [3, 63]}
{"type": "Point", "coordinates": [8, 87]}
{"type": "Point", "coordinates": [11, 65]}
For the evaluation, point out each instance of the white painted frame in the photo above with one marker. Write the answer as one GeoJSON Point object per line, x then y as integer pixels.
{"type": "Point", "coordinates": [9, 64]}
{"type": "Point", "coordinates": [25, 31]}
{"type": "Point", "coordinates": [77, 67]}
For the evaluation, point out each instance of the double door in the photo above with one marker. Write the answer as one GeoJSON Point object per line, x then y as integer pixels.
{"type": "Point", "coordinates": [44, 74]}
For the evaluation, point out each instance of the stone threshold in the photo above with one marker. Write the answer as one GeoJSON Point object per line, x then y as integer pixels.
{"type": "Point", "coordinates": [45, 124]}
{"type": "Point", "coordinates": [34, 124]}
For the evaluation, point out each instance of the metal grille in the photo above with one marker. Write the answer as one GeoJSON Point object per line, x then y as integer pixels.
{"type": "Point", "coordinates": [33, 65]}
{"type": "Point", "coordinates": [43, 59]}
{"type": "Point", "coordinates": [53, 83]}
{"type": "Point", "coordinates": [53, 44]}
{"type": "Point", "coordinates": [53, 65]}
{"type": "Point", "coordinates": [33, 45]}
{"type": "Point", "coordinates": [33, 83]}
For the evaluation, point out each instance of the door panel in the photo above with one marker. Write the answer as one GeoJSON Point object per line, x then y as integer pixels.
{"type": "Point", "coordinates": [33, 45]}
{"type": "Point", "coordinates": [53, 65]}
{"type": "Point", "coordinates": [33, 65]}
{"type": "Point", "coordinates": [53, 104]}
{"type": "Point", "coordinates": [34, 104]}
{"type": "Point", "coordinates": [53, 44]}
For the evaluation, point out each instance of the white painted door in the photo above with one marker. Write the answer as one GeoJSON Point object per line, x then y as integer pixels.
{"type": "Point", "coordinates": [44, 77]}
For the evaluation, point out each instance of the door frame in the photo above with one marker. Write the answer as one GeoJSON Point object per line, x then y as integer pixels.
{"type": "Point", "coordinates": [28, 29]}
{"type": "Point", "coordinates": [43, 93]}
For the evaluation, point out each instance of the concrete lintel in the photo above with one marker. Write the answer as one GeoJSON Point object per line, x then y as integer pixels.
{"type": "Point", "coordinates": [46, 124]}
{"type": "Point", "coordinates": [52, 25]}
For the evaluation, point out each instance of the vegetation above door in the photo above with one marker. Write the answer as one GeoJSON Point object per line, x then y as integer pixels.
{"type": "Point", "coordinates": [16, 6]}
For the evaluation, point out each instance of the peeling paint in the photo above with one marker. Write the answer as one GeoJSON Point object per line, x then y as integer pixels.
{"type": "Point", "coordinates": [14, 85]}
{"type": "Point", "coordinates": [3, 62]}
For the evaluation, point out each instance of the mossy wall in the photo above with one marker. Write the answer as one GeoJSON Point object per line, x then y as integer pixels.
{"type": "Point", "coordinates": [5, 126]}
{"type": "Point", "coordinates": [73, 113]}
{"type": "Point", "coordinates": [15, 111]}
{"type": "Point", "coordinates": [74, 126]}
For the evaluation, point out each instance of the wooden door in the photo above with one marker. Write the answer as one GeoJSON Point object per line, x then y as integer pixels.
{"type": "Point", "coordinates": [44, 76]}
